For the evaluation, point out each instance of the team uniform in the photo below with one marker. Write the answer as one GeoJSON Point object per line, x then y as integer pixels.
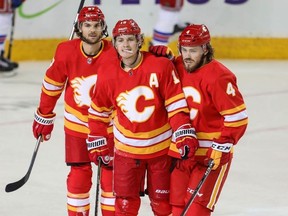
{"type": "Point", "coordinates": [217, 112]}
{"type": "Point", "coordinates": [147, 100]}
{"type": "Point", "coordinates": [6, 13]}
{"type": "Point", "coordinates": [76, 73]}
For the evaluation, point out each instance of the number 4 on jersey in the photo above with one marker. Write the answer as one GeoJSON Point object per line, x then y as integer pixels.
{"type": "Point", "coordinates": [230, 90]}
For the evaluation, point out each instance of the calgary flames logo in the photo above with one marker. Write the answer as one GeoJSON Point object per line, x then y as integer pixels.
{"type": "Point", "coordinates": [127, 101]}
{"type": "Point", "coordinates": [82, 89]}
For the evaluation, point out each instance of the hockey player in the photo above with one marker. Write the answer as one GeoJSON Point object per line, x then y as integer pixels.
{"type": "Point", "coordinates": [168, 21]}
{"type": "Point", "coordinates": [146, 95]}
{"type": "Point", "coordinates": [6, 13]}
{"type": "Point", "coordinates": [218, 113]}
{"type": "Point", "coordinates": [74, 70]}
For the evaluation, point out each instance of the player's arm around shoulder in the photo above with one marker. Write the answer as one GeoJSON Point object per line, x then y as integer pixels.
{"type": "Point", "coordinates": [163, 66]}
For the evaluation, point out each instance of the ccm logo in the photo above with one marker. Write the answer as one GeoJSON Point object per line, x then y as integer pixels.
{"type": "Point", "coordinates": [226, 147]}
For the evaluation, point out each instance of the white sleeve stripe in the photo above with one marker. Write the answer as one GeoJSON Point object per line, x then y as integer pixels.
{"type": "Point", "coordinates": [176, 105]}
{"type": "Point", "coordinates": [236, 117]}
{"type": "Point", "coordinates": [51, 87]}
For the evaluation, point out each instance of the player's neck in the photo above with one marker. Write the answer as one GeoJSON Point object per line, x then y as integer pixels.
{"type": "Point", "coordinates": [91, 50]}
{"type": "Point", "coordinates": [129, 63]}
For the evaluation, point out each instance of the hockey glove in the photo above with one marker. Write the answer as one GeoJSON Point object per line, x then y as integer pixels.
{"type": "Point", "coordinates": [186, 141]}
{"type": "Point", "coordinates": [220, 153]}
{"type": "Point", "coordinates": [162, 51]}
{"type": "Point", "coordinates": [43, 125]}
{"type": "Point", "coordinates": [98, 148]}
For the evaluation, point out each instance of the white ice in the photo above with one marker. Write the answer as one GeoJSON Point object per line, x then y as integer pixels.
{"type": "Point", "coordinates": [258, 181]}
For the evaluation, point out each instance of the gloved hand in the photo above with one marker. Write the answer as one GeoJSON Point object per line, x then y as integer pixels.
{"type": "Point", "coordinates": [98, 148]}
{"type": "Point", "coordinates": [220, 153]}
{"type": "Point", "coordinates": [186, 141]}
{"type": "Point", "coordinates": [162, 51]}
{"type": "Point", "coordinates": [43, 125]}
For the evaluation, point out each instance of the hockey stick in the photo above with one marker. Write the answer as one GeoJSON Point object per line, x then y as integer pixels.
{"type": "Point", "coordinates": [16, 185]}
{"type": "Point", "coordinates": [195, 192]}
{"type": "Point", "coordinates": [97, 186]}
{"type": "Point", "coordinates": [76, 19]}
{"type": "Point", "coordinates": [11, 36]}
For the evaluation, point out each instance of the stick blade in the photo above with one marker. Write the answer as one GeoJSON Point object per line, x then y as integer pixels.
{"type": "Point", "coordinates": [15, 185]}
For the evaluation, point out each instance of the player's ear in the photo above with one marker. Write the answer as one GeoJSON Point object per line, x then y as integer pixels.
{"type": "Point", "coordinates": [205, 50]}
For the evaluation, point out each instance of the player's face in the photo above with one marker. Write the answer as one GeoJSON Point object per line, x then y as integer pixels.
{"type": "Point", "coordinates": [126, 46]}
{"type": "Point", "coordinates": [91, 31]}
{"type": "Point", "coordinates": [193, 57]}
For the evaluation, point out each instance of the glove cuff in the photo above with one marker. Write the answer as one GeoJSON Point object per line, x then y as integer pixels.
{"type": "Point", "coordinates": [184, 131]}
{"type": "Point", "coordinates": [97, 143]}
{"type": "Point", "coordinates": [223, 147]}
{"type": "Point", "coordinates": [43, 120]}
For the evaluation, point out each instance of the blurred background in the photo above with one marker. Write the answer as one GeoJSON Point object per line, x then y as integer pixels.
{"type": "Point", "coordinates": [240, 29]}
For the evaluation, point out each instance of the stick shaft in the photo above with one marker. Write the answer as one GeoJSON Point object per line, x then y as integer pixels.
{"type": "Point", "coordinates": [76, 19]}
{"type": "Point", "coordinates": [195, 192]}
{"type": "Point", "coordinates": [11, 39]}
{"type": "Point", "coordinates": [97, 187]}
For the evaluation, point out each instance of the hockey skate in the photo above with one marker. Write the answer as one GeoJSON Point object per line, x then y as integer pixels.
{"type": "Point", "coordinates": [12, 64]}
{"type": "Point", "coordinates": [4, 66]}
{"type": "Point", "coordinates": [179, 27]}
{"type": "Point", "coordinates": [6, 69]}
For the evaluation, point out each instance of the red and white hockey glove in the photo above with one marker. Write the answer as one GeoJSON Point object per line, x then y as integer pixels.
{"type": "Point", "coordinates": [98, 148]}
{"type": "Point", "coordinates": [186, 141]}
{"type": "Point", "coordinates": [43, 125]}
{"type": "Point", "coordinates": [220, 153]}
{"type": "Point", "coordinates": [162, 51]}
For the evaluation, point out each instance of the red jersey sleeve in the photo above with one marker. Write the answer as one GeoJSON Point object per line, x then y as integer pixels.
{"type": "Point", "coordinates": [230, 104]}
{"type": "Point", "coordinates": [54, 81]}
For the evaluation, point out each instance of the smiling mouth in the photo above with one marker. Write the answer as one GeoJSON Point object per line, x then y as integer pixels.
{"type": "Point", "coordinates": [128, 51]}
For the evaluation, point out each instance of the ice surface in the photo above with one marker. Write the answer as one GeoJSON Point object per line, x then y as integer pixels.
{"type": "Point", "coordinates": [258, 181]}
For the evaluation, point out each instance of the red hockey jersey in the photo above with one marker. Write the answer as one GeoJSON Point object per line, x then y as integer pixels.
{"type": "Point", "coordinates": [217, 108]}
{"type": "Point", "coordinates": [146, 99]}
{"type": "Point", "coordinates": [75, 72]}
